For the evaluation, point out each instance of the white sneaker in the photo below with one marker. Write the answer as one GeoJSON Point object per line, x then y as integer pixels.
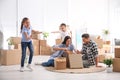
{"type": "Point", "coordinates": [29, 67]}
{"type": "Point", "coordinates": [22, 69]}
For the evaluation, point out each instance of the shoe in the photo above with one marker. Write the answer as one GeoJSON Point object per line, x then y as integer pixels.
{"type": "Point", "coordinates": [29, 67]}
{"type": "Point", "coordinates": [22, 69]}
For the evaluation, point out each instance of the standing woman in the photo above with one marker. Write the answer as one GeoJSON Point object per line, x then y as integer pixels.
{"type": "Point", "coordinates": [26, 31]}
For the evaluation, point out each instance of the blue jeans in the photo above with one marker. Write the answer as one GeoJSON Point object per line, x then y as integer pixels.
{"type": "Point", "coordinates": [49, 63]}
{"type": "Point", "coordinates": [24, 46]}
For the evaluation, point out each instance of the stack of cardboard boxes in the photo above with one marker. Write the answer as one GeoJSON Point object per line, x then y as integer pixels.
{"type": "Point", "coordinates": [44, 48]}
{"type": "Point", "coordinates": [10, 57]}
{"type": "Point", "coordinates": [58, 41]}
{"type": "Point", "coordinates": [35, 35]}
{"type": "Point", "coordinates": [116, 60]}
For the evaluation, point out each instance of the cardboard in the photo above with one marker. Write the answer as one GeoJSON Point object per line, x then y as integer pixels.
{"type": "Point", "coordinates": [36, 36]}
{"type": "Point", "coordinates": [17, 46]}
{"type": "Point", "coordinates": [36, 47]}
{"type": "Point", "coordinates": [43, 42]}
{"type": "Point", "coordinates": [60, 63]}
{"type": "Point", "coordinates": [75, 61]}
{"type": "Point", "coordinates": [45, 50]}
{"type": "Point", "coordinates": [99, 43]}
{"type": "Point", "coordinates": [58, 41]}
{"type": "Point", "coordinates": [116, 64]}
{"type": "Point", "coordinates": [16, 40]}
{"type": "Point", "coordinates": [117, 52]}
{"type": "Point", "coordinates": [101, 58]}
{"type": "Point", "coordinates": [10, 57]}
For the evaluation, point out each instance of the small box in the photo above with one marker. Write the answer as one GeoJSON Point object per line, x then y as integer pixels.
{"type": "Point", "coordinates": [16, 40]}
{"type": "Point", "coordinates": [43, 42]}
{"type": "Point", "coordinates": [116, 64]}
{"type": "Point", "coordinates": [75, 61]}
{"type": "Point", "coordinates": [60, 63]}
{"type": "Point", "coordinates": [58, 41]}
{"type": "Point", "coordinates": [10, 57]}
{"type": "Point", "coordinates": [117, 52]}
{"type": "Point", "coordinates": [36, 36]}
{"type": "Point", "coordinates": [101, 58]}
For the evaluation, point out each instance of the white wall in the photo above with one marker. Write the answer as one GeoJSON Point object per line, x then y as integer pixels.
{"type": "Point", "coordinates": [46, 15]}
{"type": "Point", "coordinates": [90, 14]}
{"type": "Point", "coordinates": [33, 9]}
{"type": "Point", "coordinates": [8, 18]}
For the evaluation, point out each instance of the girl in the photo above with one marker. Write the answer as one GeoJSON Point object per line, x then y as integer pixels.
{"type": "Point", "coordinates": [65, 47]}
{"type": "Point", "coordinates": [26, 41]}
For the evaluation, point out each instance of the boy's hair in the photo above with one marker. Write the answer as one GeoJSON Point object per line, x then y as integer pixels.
{"type": "Point", "coordinates": [85, 35]}
{"type": "Point", "coordinates": [63, 24]}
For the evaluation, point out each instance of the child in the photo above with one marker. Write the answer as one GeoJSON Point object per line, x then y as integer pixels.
{"type": "Point", "coordinates": [64, 31]}
{"type": "Point", "coordinates": [26, 31]}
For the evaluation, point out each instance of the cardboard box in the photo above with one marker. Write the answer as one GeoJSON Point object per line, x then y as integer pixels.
{"type": "Point", "coordinates": [45, 50]}
{"type": "Point", "coordinates": [36, 47]}
{"type": "Point", "coordinates": [60, 63]}
{"type": "Point", "coordinates": [116, 64]}
{"type": "Point", "coordinates": [17, 46]}
{"type": "Point", "coordinates": [10, 57]}
{"type": "Point", "coordinates": [43, 42]}
{"type": "Point", "coordinates": [16, 40]}
{"type": "Point", "coordinates": [36, 36]}
{"type": "Point", "coordinates": [58, 41]}
{"type": "Point", "coordinates": [117, 52]}
{"type": "Point", "coordinates": [101, 58]}
{"type": "Point", "coordinates": [99, 43]}
{"type": "Point", "coordinates": [75, 61]}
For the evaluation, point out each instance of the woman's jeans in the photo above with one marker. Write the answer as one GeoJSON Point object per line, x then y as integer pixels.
{"type": "Point", "coordinates": [50, 62]}
{"type": "Point", "coordinates": [24, 46]}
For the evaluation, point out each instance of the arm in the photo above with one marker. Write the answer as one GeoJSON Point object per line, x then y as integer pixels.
{"type": "Point", "coordinates": [27, 37]}
{"type": "Point", "coordinates": [55, 32]}
{"type": "Point", "coordinates": [58, 48]}
{"type": "Point", "coordinates": [95, 53]}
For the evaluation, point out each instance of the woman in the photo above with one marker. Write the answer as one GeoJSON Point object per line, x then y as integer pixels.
{"type": "Point", "coordinates": [26, 31]}
{"type": "Point", "coordinates": [60, 50]}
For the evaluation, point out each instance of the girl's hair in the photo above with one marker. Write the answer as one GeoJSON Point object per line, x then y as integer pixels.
{"type": "Point", "coordinates": [23, 20]}
{"type": "Point", "coordinates": [65, 39]}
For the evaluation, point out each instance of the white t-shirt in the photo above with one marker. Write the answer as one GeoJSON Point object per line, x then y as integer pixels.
{"type": "Point", "coordinates": [64, 34]}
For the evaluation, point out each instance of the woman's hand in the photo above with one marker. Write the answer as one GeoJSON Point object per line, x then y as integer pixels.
{"type": "Point", "coordinates": [65, 49]}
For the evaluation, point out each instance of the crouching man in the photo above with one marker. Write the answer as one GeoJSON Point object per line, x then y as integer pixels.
{"type": "Point", "coordinates": [89, 51]}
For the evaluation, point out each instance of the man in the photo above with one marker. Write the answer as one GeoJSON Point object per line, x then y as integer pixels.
{"type": "Point", "coordinates": [89, 51]}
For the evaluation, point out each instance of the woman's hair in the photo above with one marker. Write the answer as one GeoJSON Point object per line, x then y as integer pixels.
{"type": "Point", "coordinates": [23, 20]}
{"type": "Point", "coordinates": [65, 39]}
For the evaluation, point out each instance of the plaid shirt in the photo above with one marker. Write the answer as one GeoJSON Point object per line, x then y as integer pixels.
{"type": "Point", "coordinates": [90, 52]}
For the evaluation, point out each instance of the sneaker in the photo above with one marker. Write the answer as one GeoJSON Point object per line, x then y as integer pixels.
{"type": "Point", "coordinates": [29, 67]}
{"type": "Point", "coordinates": [22, 69]}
